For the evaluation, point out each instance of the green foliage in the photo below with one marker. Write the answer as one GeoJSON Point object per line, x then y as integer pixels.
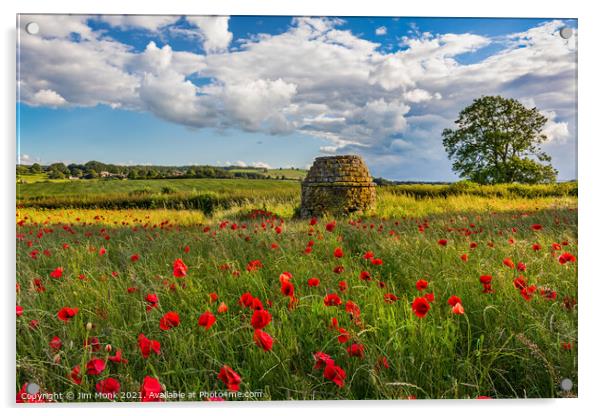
{"type": "Point", "coordinates": [497, 140]}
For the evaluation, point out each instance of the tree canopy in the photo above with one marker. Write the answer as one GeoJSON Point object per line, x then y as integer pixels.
{"type": "Point", "coordinates": [498, 140]}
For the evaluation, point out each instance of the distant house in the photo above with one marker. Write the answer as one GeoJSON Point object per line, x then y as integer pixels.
{"type": "Point", "coordinates": [73, 178]}
{"type": "Point", "coordinates": [105, 174]}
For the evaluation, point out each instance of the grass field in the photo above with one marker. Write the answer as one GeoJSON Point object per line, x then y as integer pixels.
{"type": "Point", "coordinates": [511, 337]}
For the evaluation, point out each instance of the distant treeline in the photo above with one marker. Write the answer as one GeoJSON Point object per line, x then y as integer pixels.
{"type": "Point", "coordinates": [500, 190]}
{"type": "Point", "coordinates": [94, 169]}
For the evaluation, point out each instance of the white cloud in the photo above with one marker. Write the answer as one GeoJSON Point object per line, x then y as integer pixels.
{"type": "Point", "coordinates": [148, 22]}
{"type": "Point", "coordinates": [380, 31]}
{"type": "Point", "coordinates": [47, 98]}
{"type": "Point", "coordinates": [214, 31]}
{"type": "Point", "coordinates": [261, 165]}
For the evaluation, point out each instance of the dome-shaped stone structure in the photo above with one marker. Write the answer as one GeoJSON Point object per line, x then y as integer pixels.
{"type": "Point", "coordinates": [337, 185]}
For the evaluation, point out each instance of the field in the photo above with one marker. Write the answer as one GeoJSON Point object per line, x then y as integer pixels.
{"type": "Point", "coordinates": [461, 293]}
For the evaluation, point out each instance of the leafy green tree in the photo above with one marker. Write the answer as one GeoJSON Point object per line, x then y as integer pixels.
{"type": "Point", "coordinates": [498, 140]}
{"type": "Point", "coordinates": [35, 168]}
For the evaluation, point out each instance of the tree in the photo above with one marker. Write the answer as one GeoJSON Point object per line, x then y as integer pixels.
{"type": "Point", "coordinates": [498, 140]}
{"type": "Point", "coordinates": [35, 168]}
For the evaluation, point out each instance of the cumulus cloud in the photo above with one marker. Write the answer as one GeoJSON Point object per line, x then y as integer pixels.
{"type": "Point", "coordinates": [314, 78]}
{"type": "Point", "coordinates": [380, 31]}
{"type": "Point", "coordinates": [214, 31]}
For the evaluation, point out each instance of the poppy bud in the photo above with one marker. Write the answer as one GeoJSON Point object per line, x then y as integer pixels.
{"type": "Point", "coordinates": [89, 326]}
{"type": "Point", "coordinates": [108, 348]}
{"type": "Point", "coordinates": [57, 359]}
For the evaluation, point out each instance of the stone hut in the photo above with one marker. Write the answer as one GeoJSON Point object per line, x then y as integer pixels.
{"type": "Point", "coordinates": [337, 185]}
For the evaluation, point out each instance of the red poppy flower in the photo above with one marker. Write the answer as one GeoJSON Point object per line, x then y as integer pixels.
{"type": "Point", "coordinates": [134, 258]}
{"type": "Point", "coordinates": [147, 346]}
{"type": "Point", "coordinates": [339, 269]}
{"type": "Point", "coordinates": [95, 366]}
{"type": "Point", "coordinates": [57, 273]}
{"type": "Point", "coordinates": [287, 288]}
{"type": "Point", "coordinates": [335, 374]}
{"type": "Point", "coordinates": [442, 242]}
{"type": "Point", "coordinates": [473, 245]}
{"type": "Point", "coordinates": [566, 257]}
{"type": "Point", "coordinates": [118, 358]}
{"type": "Point", "coordinates": [343, 335]}
{"type": "Point", "coordinates": [383, 362]}
{"type": "Point", "coordinates": [521, 266]}
{"type": "Point", "coordinates": [453, 300]}
{"type": "Point", "coordinates": [19, 310]}
{"type": "Point", "coordinates": [213, 297]}
{"type": "Point", "coordinates": [458, 309]}
{"type": "Point", "coordinates": [364, 275]}
{"type": "Point", "coordinates": [356, 350]}
{"type": "Point", "coordinates": [342, 285]}
{"type": "Point", "coordinates": [390, 297]}
{"type": "Point", "coordinates": [322, 360]}
{"type": "Point", "coordinates": [260, 319]}
{"type": "Point", "coordinates": [263, 339]}
{"type": "Point", "coordinates": [520, 282]}
{"type": "Point", "coordinates": [377, 262]}
{"type": "Point", "coordinates": [187, 249]}
{"type": "Point", "coordinates": [352, 308]}
{"type": "Point", "coordinates": [430, 297]}
{"type": "Point", "coordinates": [421, 284]}
{"type": "Point", "coordinates": [527, 292]}
{"type": "Point", "coordinates": [313, 282]}
{"type": "Point", "coordinates": [536, 247]}
{"type": "Point", "coordinates": [207, 319]}
{"type": "Point", "coordinates": [338, 252]}
{"type": "Point", "coordinates": [536, 227]}
{"type": "Point", "coordinates": [222, 308]}
{"type": "Point", "coordinates": [368, 255]}
{"type": "Point", "coordinates": [313, 221]}
{"type": "Point", "coordinates": [508, 262]}
{"type": "Point", "coordinates": [179, 268]}
{"type": "Point", "coordinates": [254, 265]}
{"type": "Point", "coordinates": [330, 226]}
{"type": "Point", "coordinates": [102, 251]}
{"type": "Point", "coordinates": [485, 279]}
{"type": "Point", "coordinates": [420, 306]}
{"type": "Point", "coordinates": [246, 299]}
{"type": "Point", "coordinates": [65, 314]}
{"type": "Point", "coordinates": [229, 378]}
{"type": "Point", "coordinates": [75, 375]}
{"type": "Point", "coordinates": [55, 343]}
{"type": "Point", "coordinates": [152, 300]}
{"type": "Point", "coordinates": [151, 390]}
{"type": "Point", "coordinates": [170, 320]}
{"type": "Point", "coordinates": [109, 387]}
{"type": "Point", "coordinates": [332, 299]}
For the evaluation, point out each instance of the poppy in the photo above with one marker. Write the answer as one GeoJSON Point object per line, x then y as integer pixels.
{"type": "Point", "coordinates": [390, 298]}
{"type": "Point", "coordinates": [356, 350]}
{"type": "Point", "coordinates": [263, 340]}
{"type": "Point", "coordinates": [521, 266]}
{"type": "Point", "coordinates": [313, 282]}
{"type": "Point", "coordinates": [75, 375]}
{"type": "Point", "coordinates": [109, 387]}
{"type": "Point", "coordinates": [508, 262]}
{"type": "Point", "coordinates": [464, 257]}
{"type": "Point", "coordinates": [65, 314]}
{"type": "Point", "coordinates": [322, 360]}
{"type": "Point", "coordinates": [536, 227]}
{"type": "Point", "coordinates": [313, 221]}
{"type": "Point", "coordinates": [57, 273]}
{"type": "Point", "coordinates": [102, 251]}
{"type": "Point", "coordinates": [151, 390]}
{"type": "Point", "coordinates": [342, 285]}
{"type": "Point", "coordinates": [287, 288]}
{"type": "Point", "coordinates": [147, 346]}
{"type": "Point", "coordinates": [352, 309]}
{"type": "Point", "coordinates": [566, 257]}
{"type": "Point", "coordinates": [343, 336]}
{"type": "Point", "coordinates": [420, 306]}
{"type": "Point", "coordinates": [442, 242]}
{"type": "Point", "coordinates": [213, 297]}
{"type": "Point", "coordinates": [179, 268]}
{"type": "Point", "coordinates": [222, 308]}
{"type": "Point", "coordinates": [55, 343]}
{"type": "Point", "coordinates": [19, 310]}
{"type": "Point", "coordinates": [170, 320]}
{"type": "Point", "coordinates": [458, 309]}
{"type": "Point", "coordinates": [520, 282]}
{"type": "Point", "coordinates": [430, 297]}
{"type": "Point", "coordinates": [453, 299]}
{"type": "Point", "coordinates": [377, 262]}
{"type": "Point", "coordinates": [134, 258]}
{"type": "Point", "coordinates": [229, 378]}
{"type": "Point", "coordinates": [332, 299]}
{"type": "Point", "coordinates": [536, 247]}
{"type": "Point", "coordinates": [246, 299]}
{"type": "Point", "coordinates": [95, 366]}
{"type": "Point", "coordinates": [338, 252]}
{"type": "Point", "coordinates": [260, 319]}
{"type": "Point", "coordinates": [330, 226]}
{"type": "Point", "coordinates": [339, 269]}
{"type": "Point", "coordinates": [368, 255]}
{"type": "Point", "coordinates": [335, 374]}
{"type": "Point", "coordinates": [421, 284]}
{"type": "Point", "coordinates": [207, 319]}
{"type": "Point", "coordinates": [365, 275]}
{"type": "Point", "coordinates": [117, 358]}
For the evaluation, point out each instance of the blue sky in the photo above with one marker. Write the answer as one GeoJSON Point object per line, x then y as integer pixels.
{"type": "Point", "coordinates": [277, 91]}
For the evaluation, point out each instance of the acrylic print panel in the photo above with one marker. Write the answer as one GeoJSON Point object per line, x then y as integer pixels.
{"type": "Point", "coordinates": [287, 208]}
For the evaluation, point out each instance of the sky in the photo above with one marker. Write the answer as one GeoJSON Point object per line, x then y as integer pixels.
{"type": "Point", "coordinates": [277, 91]}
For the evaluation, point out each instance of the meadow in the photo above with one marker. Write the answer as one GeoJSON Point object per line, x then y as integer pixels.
{"type": "Point", "coordinates": [465, 292]}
